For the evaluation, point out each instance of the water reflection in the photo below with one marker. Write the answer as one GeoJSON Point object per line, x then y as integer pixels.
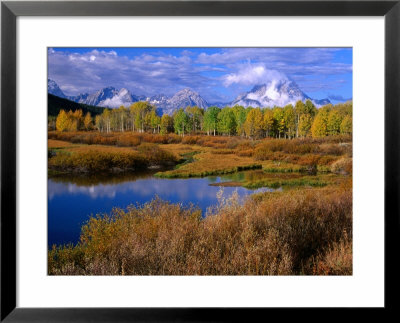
{"type": "Point", "coordinates": [73, 199]}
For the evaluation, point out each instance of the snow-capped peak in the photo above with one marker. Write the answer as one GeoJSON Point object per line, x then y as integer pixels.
{"type": "Point", "coordinates": [274, 93]}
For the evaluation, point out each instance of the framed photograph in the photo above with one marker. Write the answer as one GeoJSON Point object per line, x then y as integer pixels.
{"type": "Point", "coordinates": [189, 158]}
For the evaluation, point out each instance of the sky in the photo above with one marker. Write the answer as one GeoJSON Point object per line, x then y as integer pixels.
{"type": "Point", "coordinates": [217, 74]}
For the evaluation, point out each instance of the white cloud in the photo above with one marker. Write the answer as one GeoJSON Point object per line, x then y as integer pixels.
{"type": "Point", "coordinates": [114, 102]}
{"type": "Point", "coordinates": [251, 74]}
{"type": "Point", "coordinates": [144, 74]}
{"type": "Point", "coordinates": [158, 72]}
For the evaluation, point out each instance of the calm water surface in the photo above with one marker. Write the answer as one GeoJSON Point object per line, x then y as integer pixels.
{"type": "Point", "coordinates": [73, 199]}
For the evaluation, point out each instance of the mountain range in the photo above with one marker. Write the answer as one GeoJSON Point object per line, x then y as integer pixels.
{"type": "Point", "coordinates": [274, 93]}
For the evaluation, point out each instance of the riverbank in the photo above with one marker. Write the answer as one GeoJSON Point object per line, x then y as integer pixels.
{"type": "Point", "coordinates": [77, 158]}
{"type": "Point", "coordinates": [304, 228]}
{"type": "Point", "coordinates": [306, 232]}
{"type": "Point", "coordinates": [198, 156]}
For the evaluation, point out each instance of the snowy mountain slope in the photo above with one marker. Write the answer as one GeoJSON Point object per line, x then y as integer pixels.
{"type": "Point", "coordinates": [160, 100]}
{"type": "Point", "coordinates": [53, 88]}
{"type": "Point", "coordinates": [81, 98]}
{"type": "Point", "coordinates": [275, 93]}
{"type": "Point", "coordinates": [181, 99]}
{"type": "Point", "coordinates": [108, 97]}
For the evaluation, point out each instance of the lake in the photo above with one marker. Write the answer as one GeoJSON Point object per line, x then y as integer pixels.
{"type": "Point", "coordinates": [72, 199]}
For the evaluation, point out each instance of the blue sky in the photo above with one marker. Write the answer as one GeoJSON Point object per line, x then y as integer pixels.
{"type": "Point", "coordinates": [218, 74]}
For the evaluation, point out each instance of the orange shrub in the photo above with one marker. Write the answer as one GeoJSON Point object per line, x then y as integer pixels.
{"type": "Point", "coordinates": [245, 153]}
{"type": "Point", "coordinates": [97, 161]}
{"type": "Point", "coordinates": [300, 232]}
{"type": "Point", "coordinates": [129, 141]}
{"type": "Point", "coordinates": [223, 151]}
{"type": "Point", "coordinates": [343, 166]}
{"type": "Point", "coordinates": [337, 260]}
{"type": "Point", "coordinates": [190, 140]}
{"type": "Point", "coordinates": [332, 149]}
{"type": "Point", "coordinates": [155, 155]}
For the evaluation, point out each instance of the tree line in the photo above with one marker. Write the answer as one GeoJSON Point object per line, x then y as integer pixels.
{"type": "Point", "coordinates": [300, 120]}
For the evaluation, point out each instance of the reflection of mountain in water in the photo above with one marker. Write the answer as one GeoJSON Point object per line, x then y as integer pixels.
{"type": "Point", "coordinates": [143, 186]}
{"type": "Point", "coordinates": [72, 199]}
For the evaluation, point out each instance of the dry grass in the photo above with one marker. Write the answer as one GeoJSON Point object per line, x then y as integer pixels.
{"type": "Point", "coordinates": [321, 152]}
{"type": "Point", "coordinates": [343, 166]}
{"type": "Point", "coordinates": [304, 230]}
{"type": "Point", "coordinates": [94, 158]}
{"type": "Point", "coordinates": [303, 152]}
{"type": "Point", "coordinates": [179, 150]}
{"type": "Point", "coordinates": [297, 232]}
{"type": "Point", "coordinates": [96, 161]}
{"type": "Point", "coordinates": [335, 260]}
{"type": "Point", "coordinates": [289, 180]}
{"type": "Point", "coordinates": [132, 139]}
{"type": "Point", "coordinates": [223, 151]}
{"type": "Point", "coordinates": [277, 166]}
{"type": "Point", "coordinates": [51, 143]}
{"type": "Point", "coordinates": [207, 163]}
{"type": "Point", "coordinates": [98, 149]}
{"type": "Point", "coordinates": [207, 155]}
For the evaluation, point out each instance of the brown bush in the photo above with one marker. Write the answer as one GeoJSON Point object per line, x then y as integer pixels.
{"type": "Point", "coordinates": [173, 139]}
{"type": "Point", "coordinates": [96, 161]}
{"type": "Point", "coordinates": [298, 146]}
{"type": "Point", "coordinates": [190, 140]}
{"type": "Point", "coordinates": [223, 151]}
{"type": "Point", "coordinates": [245, 153]}
{"type": "Point", "coordinates": [332, 149]}
{"type": "Point", "coordinates": [281, 234]}
{"type": "Point", "coordinates": [343, 166]}
{"type": "Point", "coordinates": [336, 260]}
{"type": "Point", "coordinates": [100, 159]}
{"type": "Point", "coordinates": [123, 139]}
{"type": "Point", "coordinates": [232, 143]}
{"type": "Point", "coordinates": [129, 141]}
{"type": "Point", "coordinates": [155, 155]}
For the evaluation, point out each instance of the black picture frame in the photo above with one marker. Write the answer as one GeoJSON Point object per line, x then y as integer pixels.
{"type": "Point", "coordinates": [10, 10]}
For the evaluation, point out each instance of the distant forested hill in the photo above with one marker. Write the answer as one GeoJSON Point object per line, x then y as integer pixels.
{"type": "Point", "coordinates": [55, 104]}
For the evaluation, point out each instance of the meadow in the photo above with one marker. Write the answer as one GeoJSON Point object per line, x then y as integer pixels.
{"type": "Point", "coordinates": [303, 229]}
